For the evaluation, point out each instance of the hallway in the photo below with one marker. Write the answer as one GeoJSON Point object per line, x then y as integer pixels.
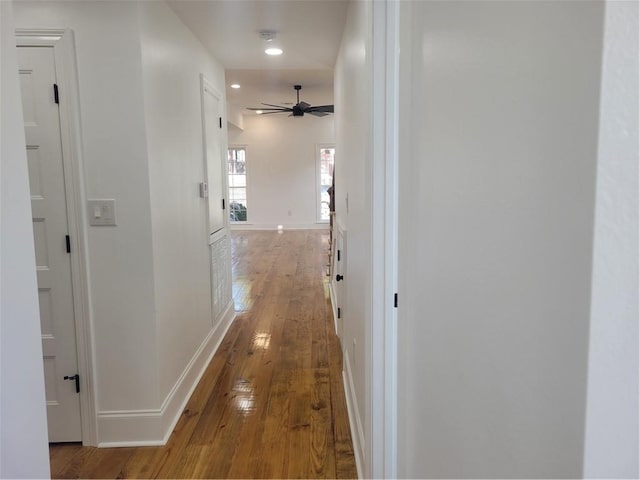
{"type": "Point", "coordinates": [271, 403]}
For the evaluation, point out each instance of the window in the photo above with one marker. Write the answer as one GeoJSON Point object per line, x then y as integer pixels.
{"type": "Point", "coordinates": [326, 156]}
{"type": "Point", "coordinates": [237, 184]}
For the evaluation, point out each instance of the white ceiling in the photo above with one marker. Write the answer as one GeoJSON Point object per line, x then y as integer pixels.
{"type": "Point", "coordinates": [309, 32]}
{"type": "Point", "coordinates": [276, 87]}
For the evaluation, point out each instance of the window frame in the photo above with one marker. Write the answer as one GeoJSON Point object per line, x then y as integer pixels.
{"type": "Point", "coordinates": [319, 148]}
{"type": "Point", "coordinates": [246, 188]}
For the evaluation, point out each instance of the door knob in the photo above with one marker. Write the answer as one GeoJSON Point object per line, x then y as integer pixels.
{"type": "Point", "coordinates": [339, 277]}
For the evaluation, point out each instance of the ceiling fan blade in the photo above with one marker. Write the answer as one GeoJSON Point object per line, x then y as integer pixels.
{"type": "Point", "coordinates": [277, 106]}
{"type": "Point", "coordinates": [321, 108]}
{"type": "Point", "coordinates": [270, 109]}
{"type": "Point", "coordinates": [298, 110]}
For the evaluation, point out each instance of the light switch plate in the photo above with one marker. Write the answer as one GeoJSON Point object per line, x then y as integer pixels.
{"type": "Point", "coordinates": [102, 212]}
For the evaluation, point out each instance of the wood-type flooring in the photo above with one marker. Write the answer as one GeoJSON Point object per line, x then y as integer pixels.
{"type": "Point", "coordinates": [271, 403]}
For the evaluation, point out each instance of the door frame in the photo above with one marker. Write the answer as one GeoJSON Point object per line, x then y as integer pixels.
{"type": "Point", "coordinates": [318, 148]}
{"type": "Point", "coordinates": [63, 44]}
{"type": "Point", "coordinates": [383, 334]}
{"type": "Point", "coordinates": [206, 86]}
{"type": "Point", "coordinates": [339, 293]}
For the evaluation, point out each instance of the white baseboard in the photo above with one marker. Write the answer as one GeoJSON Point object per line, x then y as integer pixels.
{"type": "Point", "coordinates": [270, 226]}
{"type": "Point", "coordinates": [357, 432]}
{"type": "Point", "coordinates": [138, 428]}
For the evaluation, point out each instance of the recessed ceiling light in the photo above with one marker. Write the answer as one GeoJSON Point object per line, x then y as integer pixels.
{"type": "Point", "coordinates": [259, 112]}
{"type": "Point", "coordinates": [273, 51]}
{"type": "Point", "coordinates": [235, 85]}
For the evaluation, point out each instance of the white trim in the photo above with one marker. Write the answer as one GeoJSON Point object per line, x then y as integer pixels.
{"type": "Point", "coordinates": [39, 36]}
{"type": "Point", "coordinates": [272, 226]}
{"type": "Point", "coordinates": [207, 87]}
{"type": "Point", "coordinates": [382, 354]}
{"type": "Point", "coordinates": [320, 146]}
{"type": "Point", "coordinates": [355, 423]}
{"type": "Point", "coordinates": [137, 428]}
{"type": "Point", "coordinates": [131, 444]}
{"type": "Point", "coordinates": [217, 235]}
{"type": "Point", "coordinates": [63, 43]}
{"type": "Point", "coordinates": [246, 174]}
{"type": "Point", "coordinates": [338, 232]}
{"type": "Point", "coordinates": [334, 308]}
{"type": "Point", "coordinates": [392, 94]}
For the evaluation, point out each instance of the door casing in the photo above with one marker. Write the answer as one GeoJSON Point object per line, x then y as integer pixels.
{"type": "Point", "coordinates": [62, 41]}
{"type": "Point", "coordinates": [217, 191]}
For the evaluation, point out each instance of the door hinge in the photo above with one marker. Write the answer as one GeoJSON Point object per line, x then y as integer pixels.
{"type": "Point", "coordinates": [220, 119]}
{"type": "Point", "coordinates": [68, 242]}
{"type": "Point", "coordinates": [75, 377]}
{"type": "Point", "coordinates": [56, 96]}
{"type": "Point", "coordinates": [223, 203]}
{"type": "Point", "coordinates": [339, 312]}
{"type": "Point", "coordinates": [395, 300]}
{"type": "Point", "coordinates": [338, 255]}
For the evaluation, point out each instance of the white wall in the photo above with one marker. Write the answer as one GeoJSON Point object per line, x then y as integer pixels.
{"type": "Point", "coordinates": [172, 60]}
{"type": "Point", "coordinates": [235, 118]}
{"type": "Point", "coordinates": [115, 161]}
{"type": "Point", "coordinates": [281, 167]}
{"type": "Point", "coordinates": [23, 434]}
{"type": "Point", "coordinates": [138, 74]}
{"type": "Point", "coordinates": [611, 448]}
{"type": "Point", "coordinates": [497, 187]}
{"type": "Point", "coordinates": [353, 99]}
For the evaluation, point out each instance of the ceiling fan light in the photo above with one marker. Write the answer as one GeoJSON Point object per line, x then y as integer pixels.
{"type": "Point", "coordinates": [235, 85]}
{"type": "Point", "coordinates": [273, 51]}
{"type": "Point", "coordinates": [258, 112]}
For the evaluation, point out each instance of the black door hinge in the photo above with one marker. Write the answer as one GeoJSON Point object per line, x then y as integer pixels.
{"type": "Point", "coordinates": [395, 300]}
{"type": "Point", "coordinates": [339, 312]}
{"type": "Point", "coordinates": [220, 118]}
{"type": "Point", "coordinates": [68, 241]}
{"type": "Point", "coordinates": [338, 255]}
{"type": "Point", "coordinates": [75, 377]}
{"type": "Point", "coordinates": [223, 203]}
{"type": "Point", "coordinates": [56, 97]}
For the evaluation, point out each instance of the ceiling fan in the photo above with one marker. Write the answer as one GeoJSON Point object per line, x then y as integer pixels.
{"type": "Point", "coordinates": [299, 109]}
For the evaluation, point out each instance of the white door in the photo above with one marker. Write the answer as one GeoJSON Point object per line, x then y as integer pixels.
{"type": "Point", "coordinates": [50, 230]}
{"type": "Point", "coordinates": [339, 282]}
{"type": "Point", "coordinates": [215, 163]}
{"type": "Point", "coordinates": [212, 113]}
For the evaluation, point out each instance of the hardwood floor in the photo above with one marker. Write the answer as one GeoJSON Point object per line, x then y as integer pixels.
{"type": "Point", "coordinates": [271, 403]}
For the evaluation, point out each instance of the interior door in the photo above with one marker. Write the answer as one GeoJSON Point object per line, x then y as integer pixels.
{"type": "Point", "coordinates": [216, 174]}
{"type": "Point", "coordinates": [212, 119]}
{"type": "Point", "coordinates": [339, 282]}
{"type": "Point", "coordinates": [50, 230]}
